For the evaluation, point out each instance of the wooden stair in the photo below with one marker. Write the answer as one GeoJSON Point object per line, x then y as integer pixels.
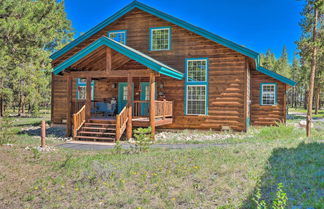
{"type": "Point", "coordinates": [94, 130]}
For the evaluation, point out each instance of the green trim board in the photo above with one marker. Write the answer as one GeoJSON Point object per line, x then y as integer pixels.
{"type": "Point", "coordinates": [119, 31]}
{"type": "Point", "coordinates": [195, 83]}
{"type": "Point", "coordinates": [121, 101]}
{"type": "Point", "coordinates": [169, 38]}
{"type": "Point", "coordinates": [135, 4]}
{"type": "Point", "coordinates": [125, 50]}
{"type": "Point", "coordinates": [275, 96]}
{"type": "Point", "coordinates": [276, 76]}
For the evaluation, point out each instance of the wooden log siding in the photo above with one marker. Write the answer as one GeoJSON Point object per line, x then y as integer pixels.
{"type": "Point", "coordinates": [265, 114]}
{"type": "Point", "coordinates": [226, 69]}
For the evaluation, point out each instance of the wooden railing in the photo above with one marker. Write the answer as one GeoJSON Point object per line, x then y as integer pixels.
{"type": "Point", "coordinates": [141, 108]}
{"type": "Point", "coordinates": [77, 105]}
{"type": "Point", "coordinates": [121, 122]}
{"type": "Point", "coordinates": [78, 120]}
{"type": "Point", "coordinates": [163, 109]}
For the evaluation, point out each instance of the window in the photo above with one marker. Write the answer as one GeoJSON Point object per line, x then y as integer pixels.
{"type": "Point", "coordinates": [125, 92]}
{"type": "Point", "coordinates": [196, 100]}
{"type": "Point", "coordinates": [160, 38]}
{"type": "Point", "coordinates": [268, 94]}
{"type": "Point", "coordinates": [196, 70]}
{"type": "Point", "coordinates": [119, 36]}
{"type": "Point", "coordinates": [196, 86]}
{"type": "Point", "coordinates": [81, 89]}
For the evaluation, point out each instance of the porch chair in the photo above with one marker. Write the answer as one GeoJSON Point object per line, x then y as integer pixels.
{"type": "Point", "coordinates": [106, 109]}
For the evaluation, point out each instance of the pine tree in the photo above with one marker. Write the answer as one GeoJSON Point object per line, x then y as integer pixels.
{"type": "Point", "coordinates": [29, 32]}
{"type": "Point", "coordinates": [311, 47]}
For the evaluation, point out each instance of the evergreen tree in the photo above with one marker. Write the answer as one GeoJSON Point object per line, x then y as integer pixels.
{"type": "Point", "coordinates": [30, 30]}
{"type": "Point", "coordinates": [311, 46]}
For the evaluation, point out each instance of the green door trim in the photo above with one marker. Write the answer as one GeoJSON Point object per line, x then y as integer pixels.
{"type": "Point", "coordinates": [121, 102]}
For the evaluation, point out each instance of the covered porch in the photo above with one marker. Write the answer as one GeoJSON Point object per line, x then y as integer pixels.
{"type": "Point", "coordinates": [119, 91]}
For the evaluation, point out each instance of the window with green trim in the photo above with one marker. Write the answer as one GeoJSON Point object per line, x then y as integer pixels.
{"type": "Point", "coordinates": [196, 86]}
{"type": "Point", "coordinates": [196, 70]}
{"type": "Point", "coordinates": [81, 89]}
{"type": "Point", "coordinates": [119, 36]}
{"type": "Point", "coordinates": [160, 38]}
{"type": "Point", "coordinates": [268, 94]}
{"type": "Point", "coordinates": [196, 99]}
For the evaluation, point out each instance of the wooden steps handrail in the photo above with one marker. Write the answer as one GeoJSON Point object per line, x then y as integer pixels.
{"type": "Point", "coordinates": [78, 120]}
{"type": "Point", "coordinates": [121, 122]}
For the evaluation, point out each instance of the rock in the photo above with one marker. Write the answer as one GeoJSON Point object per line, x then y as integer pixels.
{"type": "Point", "coordinates": [303, 123]}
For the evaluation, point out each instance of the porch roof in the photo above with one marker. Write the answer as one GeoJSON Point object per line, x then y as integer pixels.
{"type": "Point", "coordinates": [125, 50]}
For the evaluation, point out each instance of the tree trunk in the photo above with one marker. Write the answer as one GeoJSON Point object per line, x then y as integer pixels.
{"type": "Point", "coordinates": [1, 106]}
{"type": "Point", "coordinates": [312, 78]}
{"type": "Point", "coordinates": [317, 100]}
{"type": "Point", "coordinates": [305, 100]}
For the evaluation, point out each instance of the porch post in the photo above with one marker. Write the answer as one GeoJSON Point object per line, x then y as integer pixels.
{"type": "Point", "coordinates": [129, 105]}
{"type": "Point", "coordinates": [88, 98]}
{"type": "Point", "coordinates": [152, 103]}
{"type": "Point", "coordinates": [69, 106]}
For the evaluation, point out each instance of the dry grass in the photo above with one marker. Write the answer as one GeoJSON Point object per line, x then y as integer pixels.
{"type": "Point", "coordinates": [214, 177]}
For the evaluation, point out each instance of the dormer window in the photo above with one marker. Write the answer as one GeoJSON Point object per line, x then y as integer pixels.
{"type": "Point", "coordinates": [118, 35]}
{"type": "Point", "coordinates": [160, 38]}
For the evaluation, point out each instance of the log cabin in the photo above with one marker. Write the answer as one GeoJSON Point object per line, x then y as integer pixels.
{"type": "Point", "coordinates": [144, 68]}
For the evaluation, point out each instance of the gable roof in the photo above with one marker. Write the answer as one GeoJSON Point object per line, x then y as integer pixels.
{"type": "Point", "coordinates": [135, 4]}
{"type": "Point", "coordinates": [123, 49]}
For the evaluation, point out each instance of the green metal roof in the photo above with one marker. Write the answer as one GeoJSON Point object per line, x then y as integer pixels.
{"type": "Point", "coordinates": [123, 49]}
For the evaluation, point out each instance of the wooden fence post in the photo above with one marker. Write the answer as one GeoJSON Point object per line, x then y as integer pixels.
{"type": "Point", "coordinates": [43, 133]}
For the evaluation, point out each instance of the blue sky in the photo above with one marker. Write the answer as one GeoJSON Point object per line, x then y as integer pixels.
{"type": "Point", "coordinates": [256, 24]}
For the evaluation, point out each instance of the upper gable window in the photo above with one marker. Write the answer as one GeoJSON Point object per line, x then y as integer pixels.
{"type": "Point", "coordinates": [118, 35]}
{"type": "Point", "coordinates": [268, 94]}
{"type": "Point", "coordinates": [160, 38]}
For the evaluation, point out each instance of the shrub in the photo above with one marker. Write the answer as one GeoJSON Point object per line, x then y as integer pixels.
{"type": "Point", "coordinates": [143, 138]}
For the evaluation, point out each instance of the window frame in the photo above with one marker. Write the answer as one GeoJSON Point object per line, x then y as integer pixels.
{"type": "Point", "coordinates": [84, 84]}
{"type": "Point", "coordinates": [169, 38]}
{"type": "Point", "coordinates": [118, 31]}
{"type": "Point", "coordinates": [195, 83]}
{"type": "Point", "coordinates": [275, 93]}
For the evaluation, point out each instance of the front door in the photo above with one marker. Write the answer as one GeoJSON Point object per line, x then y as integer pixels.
{"type": "Point", "coordinates": [122, 95]}
{"type": "Point", "coordinates": [145, 96]}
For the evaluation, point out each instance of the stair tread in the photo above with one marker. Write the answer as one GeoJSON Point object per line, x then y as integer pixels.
{"type": "Point", "coordinates": [98, 124]}
{"type": "Point", "coordinates": [93, 132]}
{"type": "Point", "coordinates": [98, 128]}
{"type": "Point", "coordinates": [95, 137]}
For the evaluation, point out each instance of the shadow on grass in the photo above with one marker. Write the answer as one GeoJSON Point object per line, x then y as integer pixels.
{"type": "Point", "coordinates": [57, 132]}
{"type": "Point", "coordinates": [300, 170]}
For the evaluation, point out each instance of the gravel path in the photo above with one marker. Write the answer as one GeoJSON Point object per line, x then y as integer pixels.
{"type": "Point", "coordinates": [103, 146]}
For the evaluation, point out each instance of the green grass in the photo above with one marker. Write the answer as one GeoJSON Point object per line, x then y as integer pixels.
{"type": "Point", "coordinates": [214, 177]}
{"type": "Point", "coordinates": [302, 110]}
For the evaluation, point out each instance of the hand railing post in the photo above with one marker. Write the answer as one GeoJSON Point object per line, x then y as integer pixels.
{"type": "Point", "coordinates": [117, 127]}
{"type": "Point", "coordinates": [164, 108]}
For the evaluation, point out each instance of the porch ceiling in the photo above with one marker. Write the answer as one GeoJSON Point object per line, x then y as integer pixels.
{"type": "Point", "coordinates": [93, 58]}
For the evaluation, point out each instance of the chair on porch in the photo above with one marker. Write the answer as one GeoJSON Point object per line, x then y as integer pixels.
{"type": "Point", "coordinates": [106, 109]}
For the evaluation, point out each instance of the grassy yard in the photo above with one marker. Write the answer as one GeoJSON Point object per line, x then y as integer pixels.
{"type": "Point", "coordinates": [214, 177]}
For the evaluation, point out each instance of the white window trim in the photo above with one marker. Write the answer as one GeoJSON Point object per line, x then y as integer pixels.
{"type": "Point", "coordinates": [151, 38]}
{"type": "Point", "coordinates": [206, 69]}
{"type": "Point", "coordinates": [187, 86]}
